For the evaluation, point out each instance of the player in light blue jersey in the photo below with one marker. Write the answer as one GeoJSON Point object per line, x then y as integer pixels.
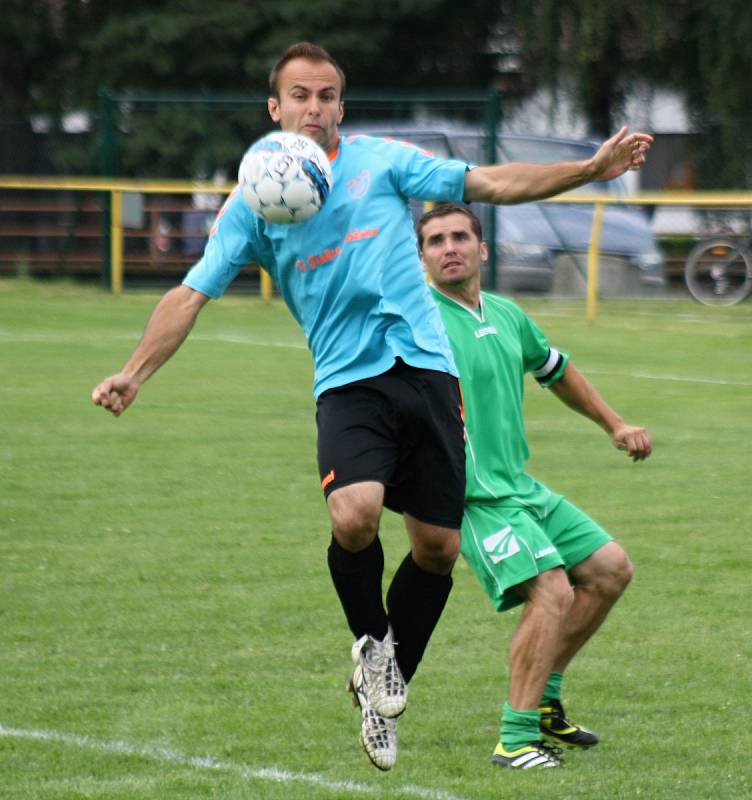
{"type": "Point", "coordinates": [388, 406]}
{"type": "Point", "coordinates": [358, 252]}
{"type": "Point", "coordinates": [525, 543]}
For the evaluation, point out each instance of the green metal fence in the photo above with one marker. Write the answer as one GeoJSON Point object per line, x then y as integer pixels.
{"type": "Point", "coordinates": [198, 136]}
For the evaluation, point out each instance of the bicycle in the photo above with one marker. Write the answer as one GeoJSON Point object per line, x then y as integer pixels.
{"type": "Point", "coordinates": [718, 272]}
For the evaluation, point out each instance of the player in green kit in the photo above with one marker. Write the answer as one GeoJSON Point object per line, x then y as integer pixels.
{"type": "Point", "coordinates": [525, 543]}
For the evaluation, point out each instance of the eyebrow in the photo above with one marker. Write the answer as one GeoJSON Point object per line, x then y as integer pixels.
{"type": "Point", "coordinates": [458, 232]}
{"type": "Point", "coordinates": [299, 86]}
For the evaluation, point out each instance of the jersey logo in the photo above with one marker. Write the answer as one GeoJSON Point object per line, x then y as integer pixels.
{"type": "Point", "coordinates": [310, 263]}
{"type": "Point", "coordinates": [328, 478]}
{"type": "Point", "coordinates": [487, 331]}
{"type": "Point", "coordinates": [358, 186]}
{"type": "Point", "coordinates": [501, 545]}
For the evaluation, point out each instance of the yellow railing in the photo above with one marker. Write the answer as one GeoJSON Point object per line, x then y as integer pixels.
{"type": "Point", "coordinates": [116, 187]}
{"type": "Point", "coordinates": [665, 198]}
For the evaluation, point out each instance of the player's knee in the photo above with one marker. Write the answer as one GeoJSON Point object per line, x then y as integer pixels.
{"type": "Point", "coordinates": [448, 551]}
{"type": "Point", "coordinates": [564, 597]}
{"type": "Point", "coordinates": [354, 527]}
{"type": "Point", "coordinates": [615, 573]}
{"type": "Point", "coordinates": [624, 572]}
{"type": "Point", "coordinates": [552, 592]}
{"type": "Point", "coordinates": [355, 512]}
{"type": "Point", "coordinates": [437, 554]}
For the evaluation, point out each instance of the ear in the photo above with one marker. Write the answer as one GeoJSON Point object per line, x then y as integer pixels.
{"type": "Point", "coordinates": [341, 111]}
{"type": "Point", "coordinates": [484, 251]}
{"type": "Point", "coordinates": [272, 104]}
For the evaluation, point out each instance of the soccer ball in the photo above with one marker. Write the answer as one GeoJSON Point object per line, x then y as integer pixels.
{"type": "Point", "coordinates": [285, 177]}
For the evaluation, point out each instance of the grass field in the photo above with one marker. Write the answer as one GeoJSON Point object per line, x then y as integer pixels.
{"type": "Point", "coordinates": [167, 625]}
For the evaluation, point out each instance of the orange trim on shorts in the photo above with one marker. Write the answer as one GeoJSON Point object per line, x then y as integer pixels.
{"type": "Point", "coordinates": [328, 478]}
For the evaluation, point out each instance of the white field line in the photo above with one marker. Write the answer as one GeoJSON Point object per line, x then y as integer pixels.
{"type": "Point", "coordinates": [52, 337]}
{"type": "Point", "coordinates": [233, 338]}
{"type": "Point", "coordinates": [671, 378]}
{"type": "Point", "coordinates": [166, 756]}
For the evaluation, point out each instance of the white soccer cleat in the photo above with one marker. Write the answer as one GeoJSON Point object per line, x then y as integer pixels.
{"type": "Point", "coordinates": [378, 735]}
{"type": "Point", "coordinates": [379, 679]}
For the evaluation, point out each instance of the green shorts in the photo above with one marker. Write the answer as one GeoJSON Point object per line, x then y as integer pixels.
{"type": "Point", "coordinates": [508, 544]}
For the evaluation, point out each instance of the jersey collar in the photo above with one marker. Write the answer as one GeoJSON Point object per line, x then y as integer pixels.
{"type": "Point", "coordinates": [334, 152]}
{"type": "Point", "coordinates": [479, 313]}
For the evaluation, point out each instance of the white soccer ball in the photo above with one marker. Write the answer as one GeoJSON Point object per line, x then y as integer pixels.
{"type": "Point", "coordinates": [285, 177]}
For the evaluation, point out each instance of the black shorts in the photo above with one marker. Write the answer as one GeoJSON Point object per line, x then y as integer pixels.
{"type": "Point", "coordinates": [402, 429]}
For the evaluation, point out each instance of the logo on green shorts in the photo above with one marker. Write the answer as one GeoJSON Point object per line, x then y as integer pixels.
{"type": "Point", "coordinates": [501, 545]}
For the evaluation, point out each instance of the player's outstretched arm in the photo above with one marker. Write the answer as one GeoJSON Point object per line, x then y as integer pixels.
{"type": "Point", "coordinates": [167, 328]}
{"type": "Point", "coordinates": [576, 391]}
{"type": "Point", "coordinates": [519, 182]}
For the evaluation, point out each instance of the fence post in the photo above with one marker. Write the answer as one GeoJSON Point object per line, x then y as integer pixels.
{"type": "Point", "coordinates": [107, 167]}
{"type": "Point", "coordinates": [593, 261]}
{"type": "Point", "coordinates": [116, 240]}
{"type": "Point", "coordinates": [266, 285]}
{"type": "Point", "coordinates": [493, 119]}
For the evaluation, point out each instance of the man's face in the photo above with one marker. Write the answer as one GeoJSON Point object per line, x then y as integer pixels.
{"type": "Point", "coordinates": [451, 252]}
{"type": "Point", "coordinates": [309, 101]}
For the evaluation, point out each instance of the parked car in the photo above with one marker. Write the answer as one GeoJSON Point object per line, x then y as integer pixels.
{"type": "Point", "coordinates": [532, 238]}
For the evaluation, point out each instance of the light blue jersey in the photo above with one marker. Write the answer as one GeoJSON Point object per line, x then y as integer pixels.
{"type": "Point", "coordinates": [351, 275]}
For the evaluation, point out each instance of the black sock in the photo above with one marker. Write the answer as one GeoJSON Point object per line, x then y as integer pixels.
{"type": "Point", "coordinates": [357, 579]}
{"type": "Point", "coordinates": [415, 600]}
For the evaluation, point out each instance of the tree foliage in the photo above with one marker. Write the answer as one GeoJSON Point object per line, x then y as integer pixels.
{"type": "Point", "coordinates": [79, 46]}
{"type": "Point", "coordinates": [198, 46]}
{"type": "Point", "coordinates": [701, 50]}
{"type": "Point", "coordinates": [32, 46]}
{"type": "Point", "coordinates": [711, 63]}
{"type": "Point", "coordinates": [56, 54]}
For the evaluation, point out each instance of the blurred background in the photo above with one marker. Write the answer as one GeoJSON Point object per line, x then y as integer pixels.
{"type": "Point", "coordinates": [158, 90]}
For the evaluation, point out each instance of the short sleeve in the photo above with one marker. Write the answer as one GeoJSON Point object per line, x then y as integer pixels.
{"type": "Point", "coordinates": [420, 175]}
{"type": "Point", "coordinates": [231, 246]}
{"type": "Point", "coordinates": [545, 363]}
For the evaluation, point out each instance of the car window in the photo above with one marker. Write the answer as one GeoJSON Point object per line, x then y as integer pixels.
{"type": "Point", "coordinates": [435, 142]}
{"type": "Point", "coordinates": [538, 151]}
{"type": "Point", "coordinates": [473, 147]}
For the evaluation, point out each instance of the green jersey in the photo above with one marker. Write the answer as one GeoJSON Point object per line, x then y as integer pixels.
{"type": "Point", "coordinates": [494, 346]}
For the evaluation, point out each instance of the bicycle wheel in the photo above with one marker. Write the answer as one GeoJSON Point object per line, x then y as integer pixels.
{"type": "Point", "coordinates": [718, 272]}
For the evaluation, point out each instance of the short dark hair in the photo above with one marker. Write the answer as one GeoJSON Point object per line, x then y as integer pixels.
{"type": "Point", "coordinates": [308, 51]}
{"type": "Point", "coordinates": [444, 210]}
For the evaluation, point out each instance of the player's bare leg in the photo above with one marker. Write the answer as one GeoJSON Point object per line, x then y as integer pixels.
{"type": "Point", "coordinates": [433, 547]}
{"type": "Point", "coordinates": [599, 580]}
{"type": "Point", "coordinates": [535, 643]}
{"type": "Point", "coordinates": [548, 598]}
{"type": "Point", "coordinates": [355, 512]}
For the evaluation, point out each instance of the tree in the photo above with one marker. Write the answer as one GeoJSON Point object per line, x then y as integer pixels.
{"type": "Point", "coordinates": [31, 53]}
{"type": "Point", "coordinates": [700, 50]}
{"type": "Point", "coordinates": [56, 54]}
{"type": "Point", "coordinates": [230, 45]}
{"type": "Point", "coordinates": [711, 63]}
